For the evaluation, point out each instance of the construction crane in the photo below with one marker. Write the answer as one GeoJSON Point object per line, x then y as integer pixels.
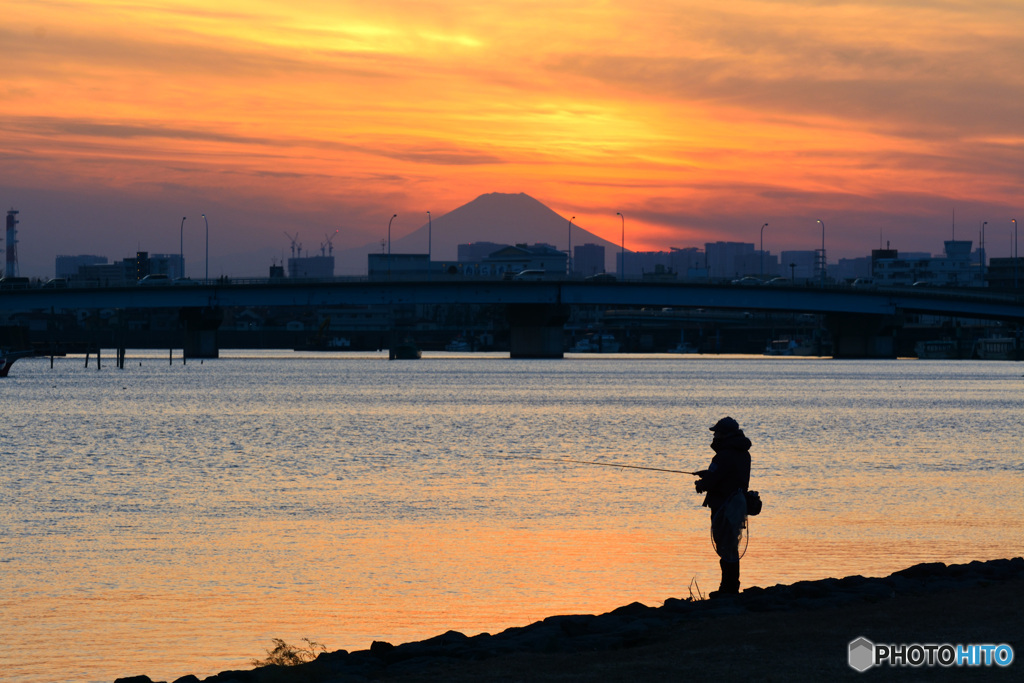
{"type": "Point", "coordinates": [296, 244]}
{"type": "Point", "coordinates": [328, 245]}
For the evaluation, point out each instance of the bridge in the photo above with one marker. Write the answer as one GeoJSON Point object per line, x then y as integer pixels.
{"type": "Point", "coordinates": [858, 318]}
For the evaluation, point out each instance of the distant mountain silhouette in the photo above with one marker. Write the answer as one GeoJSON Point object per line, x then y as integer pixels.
{"type": "Point", "coordinates": [495, 217]}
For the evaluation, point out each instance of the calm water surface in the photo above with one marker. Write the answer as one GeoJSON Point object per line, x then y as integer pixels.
{"type": "Point", "coordinates": [168, 519]}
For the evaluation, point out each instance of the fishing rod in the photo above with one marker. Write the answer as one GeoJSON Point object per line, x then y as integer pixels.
{"type": "Point", "coordinates": [588, 462]}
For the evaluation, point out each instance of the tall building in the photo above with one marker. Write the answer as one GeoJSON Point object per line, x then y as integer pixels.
{"type": "Point", "coordinates": [12, 244]}
{"type": "Point", "coordinates": [799, 265]}
{"type": "Point", "coordinates": [127, 271]}
{"type": "Point", "coordinates": [587, 259]}
{"type": "Point", "coordinates": [397, 266]}
{"type": "Point", "coordinates": [477, 251]}
{"type": "Point", "coordinates": [541, 257]}
{"type": "Point", "coordinates": [726, 259]}
{"type": "Point", "coordinates": [953, 269]}
{"type": "Point", "coordinates": [311, 267]}
{"type": "Point", "coordinates": [67, 266]}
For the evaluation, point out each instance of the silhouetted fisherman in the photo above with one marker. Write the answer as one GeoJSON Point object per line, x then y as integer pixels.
{"type": "Point", "coordinates": [725, 483]}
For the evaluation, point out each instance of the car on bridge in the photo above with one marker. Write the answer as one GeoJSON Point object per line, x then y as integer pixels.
{"type": "Point", "coordinates": [14, 283]}
{"type": "Point", "coordinates": [747, 281]}
{"type": "Point", "coordinates": [529, 275]}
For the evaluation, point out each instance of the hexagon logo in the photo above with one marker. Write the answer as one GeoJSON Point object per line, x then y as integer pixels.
{"type": "Point", "coordinates": [862, 654]}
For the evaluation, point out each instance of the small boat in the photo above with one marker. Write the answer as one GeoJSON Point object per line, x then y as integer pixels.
{"type": "Point", "coordinates": [458, 344]}
{"type": "Point", "coordinates": [597, 343]}
{"type": "Point", "coordinates": [405, 351]}
{"type": "Point", "coordinates": [791, 347]}
{"type": "Point", "coordinates": [7, 359]}
{"type": "Point", "coordinates": [938, 349]}
{"type": "Point", "coordinates": [996, 348]}
{"type": "Point", "coordinates": [332, 344]}
{"type": "Point", "coordinates": [684, 347]}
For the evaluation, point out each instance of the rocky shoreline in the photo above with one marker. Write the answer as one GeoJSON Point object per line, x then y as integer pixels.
{"type": "Point", "coordinates": [974, 598]}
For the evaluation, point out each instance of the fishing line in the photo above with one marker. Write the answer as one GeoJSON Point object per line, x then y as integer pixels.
{"type": "Point", "coordinates": [585, 462]}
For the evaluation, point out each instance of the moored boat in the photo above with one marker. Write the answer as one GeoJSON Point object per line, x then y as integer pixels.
{"type": "Point", "coordinates": [407, 350]}
{"type": "Point", "coordinates": [996, 348]}
{"type": "Point", "coordinates": [7, 359]}
{"type": "Point", "coordinates": [597, 343]}
{"type": "Point", "coordinates": [937, 349]}
{"type": "Point", "coordinates": [458, 344]}
{"type": "Point", "coordinates": [791, 347]}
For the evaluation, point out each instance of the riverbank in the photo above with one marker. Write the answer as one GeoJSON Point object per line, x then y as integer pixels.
{"type": "Point", "coordinates": [786, 632]}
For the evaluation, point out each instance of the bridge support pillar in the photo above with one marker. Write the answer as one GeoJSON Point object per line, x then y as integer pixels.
{"type": "Point", "coordinates": [201, 324]}
{"type": "Point", "coordinates": [536, 330]}
{"type": "Point", "coordinates": [857, 335]}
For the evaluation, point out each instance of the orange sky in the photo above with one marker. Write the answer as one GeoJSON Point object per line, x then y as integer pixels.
{"type": "Point", "coordinates": [881, 118]}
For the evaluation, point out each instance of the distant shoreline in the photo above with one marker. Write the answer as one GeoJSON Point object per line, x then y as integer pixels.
{"type": "Point", "coordinates": [794, 632]}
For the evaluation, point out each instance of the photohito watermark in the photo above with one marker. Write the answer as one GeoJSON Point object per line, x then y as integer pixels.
{"type": "Point", "coordinates": [864, 654]}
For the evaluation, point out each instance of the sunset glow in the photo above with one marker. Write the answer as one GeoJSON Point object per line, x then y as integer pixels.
{"type": "Point", "coordinates": [697, 124]}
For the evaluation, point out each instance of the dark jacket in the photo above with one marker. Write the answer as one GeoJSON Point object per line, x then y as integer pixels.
{"type": "Point", "coordinates": [729, 469]}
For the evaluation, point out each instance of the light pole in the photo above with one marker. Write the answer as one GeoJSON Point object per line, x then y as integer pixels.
{"type": "Point", "coordinates": [622, 256]}
{"type": "Point", "coordinates": [762, 249]}
{"type": "Point", "coordinates": [430, 228]}
{"type": "Point", "coordinates": [207, 278]}
{"type": "Point", "coordinates": [389, 244]}
{"type": "Point", "coordinates": [568, 254]}
{"type": "Point", "coordinates": [822, 253]}
{"type": "Point", "coordinates": [181, 247]}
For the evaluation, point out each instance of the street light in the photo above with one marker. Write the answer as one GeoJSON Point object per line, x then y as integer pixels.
{"type": "Point", "coordinates": [181, 247]}
{"type": "Point", "coordinates": [762, 249]}
{"type": "Point", "coordinates": [389, 244]}
{"type": "Point", "coordinates": [622, 256]}
{"type": "Point", "coordinates": [207, 247]}
{"type": "Point", "coordinates": [430, 229]}
{"type": "Point", "coordinates": [822, 253]}
{"type": "Point", "coordinates": [568, 254]}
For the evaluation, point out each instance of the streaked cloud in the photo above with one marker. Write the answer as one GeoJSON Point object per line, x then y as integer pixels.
{"type": "Point", "coordinates": [695, 120]}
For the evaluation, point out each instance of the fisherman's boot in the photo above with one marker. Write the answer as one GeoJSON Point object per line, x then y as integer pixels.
{"type": "Point", "coordinates": [732, 586]}
{"type": "Point", "coordinates": [730, 580]}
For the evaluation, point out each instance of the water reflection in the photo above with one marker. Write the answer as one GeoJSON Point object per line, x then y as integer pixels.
{"type": "Point", "coordinates": [181, 516]}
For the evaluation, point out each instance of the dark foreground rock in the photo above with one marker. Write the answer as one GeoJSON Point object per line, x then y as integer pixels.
{"type": "Point", "coordinates": [778, 632]}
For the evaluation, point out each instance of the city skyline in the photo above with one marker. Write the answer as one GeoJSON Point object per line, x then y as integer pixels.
{"type": "Point", "coordinates": [882, 120]}
{"type": "Point", "coordinates": [773, 265]}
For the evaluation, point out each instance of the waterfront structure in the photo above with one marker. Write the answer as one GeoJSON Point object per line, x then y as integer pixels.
{"type": "Point", "coordinates": [1005, 273]}
{"type": "Point", "coordinates": [129, 270]}
{"type": "Point", "coordinates": [539, 257]}
{"type": "Point", "coordinates": [953, 269]}
{"type": "Point", "coordinates": [397, 266]}
{"type": "Point", "coordinates": [477, 251]}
